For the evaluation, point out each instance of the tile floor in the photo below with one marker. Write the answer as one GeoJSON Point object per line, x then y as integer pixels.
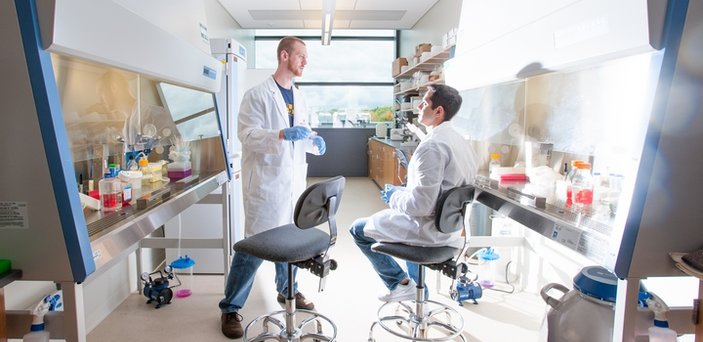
{"type": "Point", "coordinates": [349, 298]}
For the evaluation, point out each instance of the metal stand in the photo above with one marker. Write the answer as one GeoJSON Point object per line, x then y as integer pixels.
{"type": "Point", "coordinates": [222, 243]}
{"type": "Point", "coordinates": [74, 312]}
{"type": "Point", "coordinates": [290, 331]}
{"type": "Point", "coordinates": [423, 323]}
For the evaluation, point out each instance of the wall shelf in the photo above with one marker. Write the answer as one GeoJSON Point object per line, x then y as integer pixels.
{"type": "Point", "coordinates": [420, 88]}
{"type": "Point", "coordinates": [429, 64]}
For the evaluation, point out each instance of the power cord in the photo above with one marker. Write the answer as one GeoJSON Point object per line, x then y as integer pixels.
{"type": "Point", "coordinates": [507, 281]}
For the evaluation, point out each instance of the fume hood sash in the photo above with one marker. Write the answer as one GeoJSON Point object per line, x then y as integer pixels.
{"type": "Point", "coordinates": [105, 32]}
{"type": "Point", "coordinates": [498, 42]}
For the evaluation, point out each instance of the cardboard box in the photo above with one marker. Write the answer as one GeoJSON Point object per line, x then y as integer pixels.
{"type": "Point", "coordinates": [397, 64]}
{"type": "Point", "coordinates": [423, 47]}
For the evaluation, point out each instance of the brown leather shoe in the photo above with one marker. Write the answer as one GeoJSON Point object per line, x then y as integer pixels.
{"type": "Point", "coordinates": [232, 325]}
{"type": "Point", "coordinates": [300, 301]}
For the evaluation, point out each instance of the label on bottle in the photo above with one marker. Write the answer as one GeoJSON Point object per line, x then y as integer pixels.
{"type": "Point", "coordinates": [127, 192]}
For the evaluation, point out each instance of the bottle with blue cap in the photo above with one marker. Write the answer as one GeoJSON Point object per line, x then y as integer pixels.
{"type": "Point", "coordinates": [184, 265]}
{"type": "Point", "coordinates": [659, 331]}
{"type": "Point", "coordinates": [37, 333]}
{"type": "Point", "coordinates": [488, 258]}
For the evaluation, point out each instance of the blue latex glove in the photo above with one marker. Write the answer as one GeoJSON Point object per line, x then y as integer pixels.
{"type": "Point", "coordinates": [318, 142]}
{"type": "Point", "coordinates": [388, 191]}
{"type": "Point", "coordinates": [296, 133]}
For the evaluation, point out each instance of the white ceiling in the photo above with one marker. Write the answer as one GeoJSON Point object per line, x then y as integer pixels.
{"type": "Point", "coordinates": [307, 14]}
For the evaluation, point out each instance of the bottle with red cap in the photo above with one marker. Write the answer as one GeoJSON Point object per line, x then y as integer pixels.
{"type": "Point", "coordinates": [582, 186]}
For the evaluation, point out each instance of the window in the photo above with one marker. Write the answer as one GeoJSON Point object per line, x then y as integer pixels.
{"type": "Point", "coordinates": [346, 83]}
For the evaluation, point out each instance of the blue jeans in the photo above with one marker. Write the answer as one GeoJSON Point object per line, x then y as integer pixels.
{"type": "Point", "coordinates": [241, 277]}
{"type": "Point", "coordinates": [387, 268]}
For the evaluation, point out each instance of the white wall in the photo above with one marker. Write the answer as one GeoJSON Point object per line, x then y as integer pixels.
{"type": "Point", "coordinates": [442, 17]}
{"type": "Point", "coordinates": [222, 25]}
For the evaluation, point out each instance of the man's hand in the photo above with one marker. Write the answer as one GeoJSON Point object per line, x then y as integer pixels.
{"type": "Point", "coordinates": [388, 191]}
{"type": "Point", "coordinates": [318, 142]}
{"type": "Point", "coordinates": [296, 133]}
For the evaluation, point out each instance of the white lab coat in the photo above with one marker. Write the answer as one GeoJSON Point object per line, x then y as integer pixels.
{"type": "Point", "coordinates": [442, 160]}
{"type": "Point", "coordinates": [274, 171]}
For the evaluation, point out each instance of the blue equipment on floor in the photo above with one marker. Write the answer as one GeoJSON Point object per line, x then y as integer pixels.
{"type": "Point", "coordinates": [157, 288]}
{"type": "Point", "coordinates": [466, 289]}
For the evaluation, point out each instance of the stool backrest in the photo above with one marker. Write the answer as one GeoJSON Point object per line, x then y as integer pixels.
{"type": "Point", "coordinates": [312, 208]}
{"type": "Point", "coordinates": [451, 208]}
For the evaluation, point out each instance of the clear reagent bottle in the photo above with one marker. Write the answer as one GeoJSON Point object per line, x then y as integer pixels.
{"type": "Point", "coordinates": [582, 186]}
{"type": "Point", "coordinates": [493, 164]}
{"type": "Point", "coordinates": [110, 193]}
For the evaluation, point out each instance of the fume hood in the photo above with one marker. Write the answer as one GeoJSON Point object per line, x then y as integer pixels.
{"type": "Point", "coordinates": [610, 83]}
{"type": "Point", "coordinates": [86, 84]}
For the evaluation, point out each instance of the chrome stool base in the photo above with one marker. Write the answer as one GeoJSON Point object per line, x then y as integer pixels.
{"type": "Point", "coordinates": [296, 333]}
{"type": "Point", "coordinates": [428, 327]}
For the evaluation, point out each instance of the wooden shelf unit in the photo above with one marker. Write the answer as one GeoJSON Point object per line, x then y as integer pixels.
{"type": "Point", "coordinates": [383, 165]}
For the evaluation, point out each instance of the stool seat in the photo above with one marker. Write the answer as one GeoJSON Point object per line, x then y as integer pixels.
{"type": "Point", "coordinates": [285, 244]}
{"type": "Point", "coordinates": [416, 254]}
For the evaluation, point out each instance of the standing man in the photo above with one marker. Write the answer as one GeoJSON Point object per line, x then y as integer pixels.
{"type": "Point", "coordinates": [275, 137]}
{"type": "Point", "coordinates": [443, 160]}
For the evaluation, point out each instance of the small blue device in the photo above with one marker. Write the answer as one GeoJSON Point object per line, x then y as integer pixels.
{"type": "Point", "coordinates": [157, 286]}
{"type": "Point", "coordinates": [466, 289]}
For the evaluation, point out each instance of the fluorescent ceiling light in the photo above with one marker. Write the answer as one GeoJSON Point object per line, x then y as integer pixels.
{"type": "Point", "coordinates": [327, 16]}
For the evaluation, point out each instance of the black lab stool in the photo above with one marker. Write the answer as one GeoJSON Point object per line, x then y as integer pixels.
{"type": "Point", "coordinates": [429, 321]}
{"type": "Point", "coordinates": [299, 244]}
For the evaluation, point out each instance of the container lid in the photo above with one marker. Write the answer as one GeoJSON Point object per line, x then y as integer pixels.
{"type": "Point", "coordinates": [582, 165]}
{"type": "Point", "coordinates": [597, 282]}
{"type": "Point", "coordinates": [183, 262]}
{"type": "Point", "coordinates": [127, 175]}
{"type": "Point", "coordinates": [489, 254]}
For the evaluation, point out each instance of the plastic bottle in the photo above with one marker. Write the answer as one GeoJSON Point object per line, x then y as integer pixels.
{"type": "Point", "coordinates": [488, 259]}
{"type": "Point", "coordinates": [659, 332]}
{"type": "Point", "coordinates": [184, 265]}
{"type": "Point", "coordinates": [569, 178]}
{"type": "Point", "coordinates": [37, 332]}
{"type": "Point", "coordinates": [493, 164]}
{"type": "Point", "coordinates": [143, 163]}
{"type": "Point", "coordinates": [582, 186]}
{"type": "Point", "coordinates": [146, 172]}
{"type": "Point", "coordinates": [110, 193]}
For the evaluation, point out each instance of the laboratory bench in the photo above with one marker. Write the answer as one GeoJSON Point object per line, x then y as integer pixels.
{"type": "Point", "coordinates": [384, 166]}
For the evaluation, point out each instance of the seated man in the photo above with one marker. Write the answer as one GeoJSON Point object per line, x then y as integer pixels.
{"type": "Point", "coordinates": [443, 160]}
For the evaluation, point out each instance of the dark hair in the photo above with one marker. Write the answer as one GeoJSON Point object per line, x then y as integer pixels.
{"type": "Point", "coordinates": [447, 97]}
{"type": "Point", "coordinates": [286, 44]}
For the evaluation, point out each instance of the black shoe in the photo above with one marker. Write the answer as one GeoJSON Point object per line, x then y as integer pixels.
{"type": "Point", "coordinates": [232, 325]}
{"type": "Point", "coordinates": [300, 301]}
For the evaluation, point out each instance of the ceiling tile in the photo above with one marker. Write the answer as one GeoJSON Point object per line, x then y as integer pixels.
{"type": "Point", "coordinates": [361, 14]}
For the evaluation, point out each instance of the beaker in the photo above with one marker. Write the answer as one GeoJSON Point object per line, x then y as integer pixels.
{"type": "Point", "coordinates": [184, 266]}
{"type": "Point", "coordinates": [487, 260]}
